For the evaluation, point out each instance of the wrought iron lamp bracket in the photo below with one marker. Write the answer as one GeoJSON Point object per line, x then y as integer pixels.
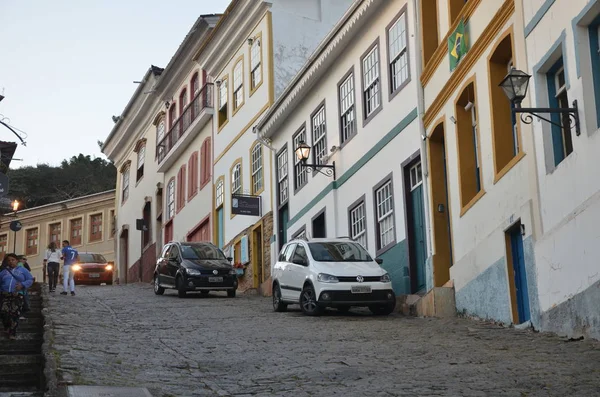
{"type": "Point", "coordinates": [527, 115]}
{"type": "Point", "coordinates": [325, 169]}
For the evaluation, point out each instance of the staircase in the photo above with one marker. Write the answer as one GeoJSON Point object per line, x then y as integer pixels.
{"type": "Point", "coordinates": [21, 360]}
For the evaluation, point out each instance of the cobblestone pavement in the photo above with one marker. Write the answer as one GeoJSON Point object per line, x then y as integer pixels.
{"type": "Point", "coordinates": [217, 346]}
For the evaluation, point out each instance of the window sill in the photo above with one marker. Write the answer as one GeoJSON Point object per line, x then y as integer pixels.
{"type": "Point", "coordinates": [471, 203]}
{"type": "Point", "coordinates": [222, 125]}
{"type": "Point", "coordinates": [237, 109]}
{"type": "Point", "coordinates": [385, 249]}
{"type": "Point", "coordinates": [372, 115]}
{"type": "Point", "coordinates": [203, 184]}
{"type": "Point", "coordinates": [514, 161]}
{"type": "Point", "coordinates": [191, 196]}
{"type": "Point", "coordinates": [139, 180]}
{"type": "Point", "coordinates": [253, 90]}
{"type": "Point", "coordinates": [343, 144]}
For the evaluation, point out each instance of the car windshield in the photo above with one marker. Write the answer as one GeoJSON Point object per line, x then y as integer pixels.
{"type": "Point", "coordinates": [201, 252]}
{"type": "Point", "coordinates": [91, 258]}
{"type": "Point", "coordinates": [339, 251]}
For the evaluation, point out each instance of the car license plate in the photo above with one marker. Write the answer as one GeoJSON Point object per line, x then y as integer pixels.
{"type": "Point", "coordinates": [215, 279]}
{"type": "Point", "coordinates": [361, 289]}
{"type": "Point", "coordinates": [94, 275]}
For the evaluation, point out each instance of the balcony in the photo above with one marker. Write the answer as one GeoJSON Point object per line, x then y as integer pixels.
{"type": "Point", "coordinates": [185, 128]}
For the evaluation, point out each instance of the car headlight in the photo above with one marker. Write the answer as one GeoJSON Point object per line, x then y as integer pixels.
{"type": "Point", "coordinates": [76, 268]}
{"type": "Point", "coordinates": [327, 278]}
{"type": "Point", "coordinates": [386, 278]}
{"type": "Point", "coordinates": [194, 272]}
{"type": "Point", "coordinates": [108, 267]}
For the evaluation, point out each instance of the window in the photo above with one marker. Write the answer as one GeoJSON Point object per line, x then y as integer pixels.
{"type": "Point", "coordinates": [562, 141]}
{"type": "Point", "coordinates": [54, 230]}
{"type": "Point", "coordinates": [300, 234]}
{"type": "Point", "coordinates": [416, 176]}
{"type": "Point", "coordinates": [32, 241]}
{"type": "Point", "coordinates": [358, 223]}
{"type": "Point", "coordinates": [594, 32]}
{"type": "Point", "coordinates": [193, 175]}
{"type": "Point", "coordinates": [319, 135]}
{"type": "Point", "coordinates": [236, 179]}
{"type": "Point", "coordinates": [468, 145]}
{"type": "Point", "coordinates": [172, 115]}
{"type": "Point", "coordinates": [96, 227]}
{"type": "Point", "coordinates": [223, 94]}
{"type": "Point", "coordinates": [3, 242]}
{"type": "Point", "coordinates": [125, 184]}
{"type": "Point", "coordinates": [220, 192]}
{"type": "Point", "coordinates": [300, 172]}
{"type": "Point", "coordinates": [397, 38]}
{"type": "Point", "coordinates": [160, 135]}
{"type": "Point", "coordinates": [195, 89]}
{"type": "Point", "coordinates": [171, 199]}
{"type": "Point", "coordinates": [384, 210]}
{"type": "Point", "coordinates": [282, 176]}
{"type": "Point", "coordinates": [255, 64]}
{"type": "Point", "coordinates": [238, 84]}
{"type": "Point", "coordinates": [183, 101]}
{"type": "Point", "coordinates": [112, 223]}
{"type": "Point", "coordinates": [347, 108]}
{"type": "Point", "coordinates": [206, 164]}
{"type": "Point", "coordinates": [76, 228]}
{"type": "Point", "coordinates": [505, 133]}
{"type": "Point", "coordinates": [141, 157]}
{"type": "Point", "coordinates": [257, 168]}
{"type": "Point", "coordinates": [181, 182]}
{"type": "Point", "coordinates": [371, 82]}
{"type": "Point", "coordinates": [429, 12]}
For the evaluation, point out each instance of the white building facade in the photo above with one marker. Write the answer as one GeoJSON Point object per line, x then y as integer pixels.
{"type": "Point", "coordinates": [563, 53]}
{"type": "Point", "coordinates": [256, 49]}
{"type": "Point", "coordinates": [355, 104]}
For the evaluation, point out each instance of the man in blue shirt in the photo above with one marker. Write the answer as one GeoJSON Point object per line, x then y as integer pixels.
{"type": "Point", "coordinates": [70, 256]}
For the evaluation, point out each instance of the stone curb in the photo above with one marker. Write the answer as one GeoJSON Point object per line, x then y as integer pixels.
{"type": "Point", "coordinates": [50, 364]}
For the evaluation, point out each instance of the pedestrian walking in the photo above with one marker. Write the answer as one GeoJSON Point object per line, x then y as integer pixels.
{"type": "Point", "coordinates": [52, 261]}
{"type": "Point", "coordinates": [70, 256]}
{"type": "Point", "coordinates": [13, 281]}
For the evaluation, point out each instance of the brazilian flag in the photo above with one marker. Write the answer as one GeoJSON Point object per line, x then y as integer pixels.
{"type": "Point", "coordinates": [458, 44]}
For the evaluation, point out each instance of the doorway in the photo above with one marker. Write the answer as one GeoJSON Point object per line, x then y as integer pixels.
{"type": "Point", "coordinates": [413, 181]}
{"type": "Point", "coordinates": [441, 219]}
{"type": "Point", "coordinates": [146, 233]}
{"type": "Point", "coordinates": [517, 275]}
{"type": "Point", "coordinates": [257, 257]}
{"type": "Point", "coordinates": [220, 225]}
{"type": "Point", "coordinates": [201, 233]}
{"type": "Point", "coordinates": [282, 225]}
{"type": "Point", "coordinates": [318, 225]}
{"type": "Point", "coordinates": [123, 254]}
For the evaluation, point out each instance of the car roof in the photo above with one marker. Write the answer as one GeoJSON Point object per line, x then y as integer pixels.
{"type": "Point", "coordinates": [323, 240]}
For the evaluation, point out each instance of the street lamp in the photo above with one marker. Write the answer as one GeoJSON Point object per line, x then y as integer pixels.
{"type": "Point", "coordinates": [15, 206]}
{"type": "Point", "coordinates": [515, 86]}
{"type": "Point", "coordinates": [303, 153]}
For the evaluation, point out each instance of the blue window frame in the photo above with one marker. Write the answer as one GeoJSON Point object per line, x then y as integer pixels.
{"type": "Point", "coordinates": [562, 142]}
{"type": "Point", "coordinates": [594, 32]}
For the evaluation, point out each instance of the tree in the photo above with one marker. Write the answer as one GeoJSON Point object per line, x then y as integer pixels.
{"type": "Point", "coordinates": [76, 177]}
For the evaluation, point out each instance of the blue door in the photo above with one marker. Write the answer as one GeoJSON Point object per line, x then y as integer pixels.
{"type": "Point", "coordinates": [220, 222]}
{"type": "Point", "coordinates": [418, 250]}
{"type": "Point", "coordinates": [283, 219]}
{"type": "Point", "coordinates": [520, 276]}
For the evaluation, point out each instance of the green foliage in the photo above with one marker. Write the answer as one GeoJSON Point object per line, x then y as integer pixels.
{"type": "Point", "coordinates": [76, 177]}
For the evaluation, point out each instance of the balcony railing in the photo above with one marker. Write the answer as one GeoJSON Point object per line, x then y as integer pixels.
{"type": "Point", "coordinates": [203, 100]}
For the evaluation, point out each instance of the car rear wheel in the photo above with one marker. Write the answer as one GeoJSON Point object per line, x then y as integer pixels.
{"type": "Point", "coordinates": [308, 301]}
{"type": "Point", "coordinates": [231, 293]}
{"type": "Point", "coordinates": [278, 304]}
{"type": "Point", "coordinates": [158, 290]}
{"type": "Point", "coordinates": [181, 291]}
{"type": "Point", "coordinates": [382, 310]}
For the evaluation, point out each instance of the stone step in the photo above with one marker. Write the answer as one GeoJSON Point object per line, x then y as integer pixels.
{"type": "Point", "coordinates": [25, 381]}
{"type": "Point", "coordinates": [21, 359]}
{"type": "Point", "coordinates": [8, 393]}
{"type": "Point", "coordinates": [21, 346]}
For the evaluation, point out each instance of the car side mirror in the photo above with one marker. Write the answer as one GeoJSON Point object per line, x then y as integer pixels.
{"type": "Point", "coordinates": [229, 258]}
{"type": "Point", "coordinates": [300, 261]}
{"type": "Point", "coordinates": [379, 261]}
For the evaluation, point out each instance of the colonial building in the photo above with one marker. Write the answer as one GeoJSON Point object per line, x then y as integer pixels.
{"type": "Point", "coordinates": [563, 55]}
{"type": "Point", "coordinates": [483, 199]}
{"type": "Point", "coordinates": [255, 50]}
{"type": "Point", "coordinates": [161, 145]}
{"type": "Point", "coordinates": [354, 105]}
{"type": "Point", "coordinates": [87, 222]}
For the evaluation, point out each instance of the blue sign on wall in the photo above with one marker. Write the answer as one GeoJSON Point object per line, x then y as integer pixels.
{"type": "Point", "coordinates": [244, 254]}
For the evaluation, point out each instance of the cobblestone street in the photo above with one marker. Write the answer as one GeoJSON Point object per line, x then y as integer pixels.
{"type": "Point", "coordinates": [210, 346]}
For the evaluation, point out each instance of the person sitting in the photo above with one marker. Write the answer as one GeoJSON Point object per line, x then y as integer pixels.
{"type": "Point", "coordinates": [13, 281]}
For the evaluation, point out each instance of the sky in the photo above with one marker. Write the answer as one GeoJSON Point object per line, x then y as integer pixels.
{"type": "Point", "coordinates": [68, 66]}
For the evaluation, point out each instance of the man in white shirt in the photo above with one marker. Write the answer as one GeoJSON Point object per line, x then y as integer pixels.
{"type": "Point", "coordinates": [52, 259]}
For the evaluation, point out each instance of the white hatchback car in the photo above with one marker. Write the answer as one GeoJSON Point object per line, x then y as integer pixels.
{"type": "Point", "coordinates": [327, 272]}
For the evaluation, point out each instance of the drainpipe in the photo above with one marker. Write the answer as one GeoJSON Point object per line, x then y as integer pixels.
{"type": "Point", "coordinates": [421, 112]}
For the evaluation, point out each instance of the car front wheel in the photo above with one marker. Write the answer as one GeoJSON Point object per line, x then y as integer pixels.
{"type": "Point", "coordinates": [278, 304]}
{"type": "Point", "coordinates": [181, 291]}
{"type": "Point", "coordinates": [308, 301]}
{"type": "Point", "coordinates": [158, 290]}
{"type": "Point", "coordinates": [231, 293]}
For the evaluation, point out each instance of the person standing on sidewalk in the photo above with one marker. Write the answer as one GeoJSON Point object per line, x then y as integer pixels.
{"type": "Point", "coordinates": [70, 257]}
{"type": "Point", "coordinates": [14, 280]}
{"type": "Point", "coordinates": [52, 261]}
